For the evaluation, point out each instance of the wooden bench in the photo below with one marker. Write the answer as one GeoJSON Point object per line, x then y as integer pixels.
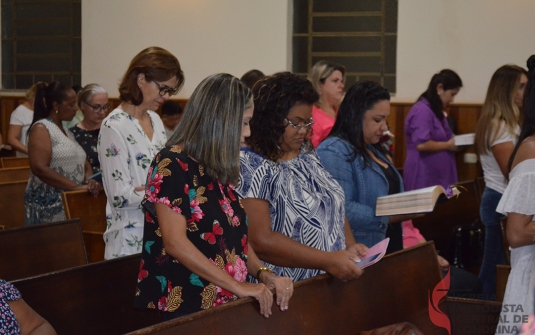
{"type": "Point", "coordinates": [14, 174]}
{"type": "Point", "coordinates": [92, 299]}
{"type": "Point", "coordinates": [502, 275]}
{"type": "Point", "coordinates": [394, 290]}
{"type": "Point", "coordinates": [92, 214]}
{"type": "Point", "coordinates": [11, 162]}
{"type": "Point", "coordinates": [12, 203]}
{"type": "Point", "coordinates": [34, 250]}
{"type": "Point", "coordinates": [439, 225]}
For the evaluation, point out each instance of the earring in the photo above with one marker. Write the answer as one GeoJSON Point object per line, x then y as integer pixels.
{"type": "Point", "coordinates": [56, 112]}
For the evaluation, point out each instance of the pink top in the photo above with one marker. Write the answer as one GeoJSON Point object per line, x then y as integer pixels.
{"type": "Point", "coordinates": [323, 124]}
{"type": "Point", "coordinates": [411, 234]}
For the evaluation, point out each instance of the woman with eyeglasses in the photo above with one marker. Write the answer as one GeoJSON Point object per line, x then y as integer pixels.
{"type": "Point", "coordinates": [297, 223]}
{"type": "Point", "coordinates": [130, 137]}
{"type": "Point", "coordinates": [57, 161]}
{"type": "Point", "coordinates": [93, 102]}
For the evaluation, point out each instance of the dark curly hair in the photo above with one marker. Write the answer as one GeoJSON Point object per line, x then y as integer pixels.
{"type": "Point", "coordinates": [274, 96]}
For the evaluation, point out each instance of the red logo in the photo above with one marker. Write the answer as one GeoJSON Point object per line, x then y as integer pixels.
{"type": "Point", "coordinates": [439, 318]}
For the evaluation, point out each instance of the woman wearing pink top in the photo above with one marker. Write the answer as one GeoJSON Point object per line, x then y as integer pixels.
{"type": "Point", "coordinates": [328, 80]}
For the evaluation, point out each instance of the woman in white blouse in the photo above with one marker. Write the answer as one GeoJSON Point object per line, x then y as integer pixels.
{"type": "Point", "coordinates": [130, 137]}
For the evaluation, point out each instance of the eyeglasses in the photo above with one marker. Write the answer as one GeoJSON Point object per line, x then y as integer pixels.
{"type": "Point", "coordinates": [166, 89]}
{"type": "Point", "coordinates": [301, 125]}
{"type": "Point", "coordinates": [98, 108]}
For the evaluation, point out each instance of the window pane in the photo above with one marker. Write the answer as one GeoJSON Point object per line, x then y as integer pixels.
{"type": "Point", "coordinates": [300, 16]}
{"type": "Point", "coordinates": [390, 54]}
{"type": "Point", "coordinates": [40, 11]}
{"type": "Point", "coordinates": [346, 44]}
{"type": "Point", "coordinates": [347, 24]}
{"type": "Point", "coordinates": [51, 28]}
{"type": "Point", "coordinates": [346, 6]}
{"type": "Point", "coordinates": [42, 46]}
{"type": "Point", "coordinates": [299, 55]}
{"type": "Point", "coordinates": [7, 56]}
{"type": "Point", "coordinates": [23, 81]}
{"type": "Point", "coordinates": [7, 21]}
{"type": "Point", "coordinates": [44, 64]}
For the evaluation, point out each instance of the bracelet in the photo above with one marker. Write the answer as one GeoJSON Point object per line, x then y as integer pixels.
{"type": "Point", "coordinates": [260, 271]}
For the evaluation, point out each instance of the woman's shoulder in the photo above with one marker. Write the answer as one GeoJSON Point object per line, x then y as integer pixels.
{"type": "Point", "coordinates": [115, 117]}
{"type": "Point", "coordinates": [422, 105]}
{"type": "Point", "coordinates": [334, 144]}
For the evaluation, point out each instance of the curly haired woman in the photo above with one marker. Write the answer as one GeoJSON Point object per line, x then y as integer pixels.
{"type": "Point", "coordinates": [297, 222]}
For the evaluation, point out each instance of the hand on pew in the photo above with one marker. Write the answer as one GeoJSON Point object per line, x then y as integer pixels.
{"type": "Point", "coordinates": [341, 264]}
{"type": "Point", "coordinates": [283, 287]}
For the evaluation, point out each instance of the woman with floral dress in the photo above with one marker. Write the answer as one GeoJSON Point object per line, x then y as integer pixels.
{"type": "Point", "coordinates": [130, 137]}
{"type": "Point", "coordinates": [196, 254]}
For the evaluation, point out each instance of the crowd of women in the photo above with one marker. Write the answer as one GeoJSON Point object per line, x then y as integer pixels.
{"type": "Point", "coordinates": [270, 182]}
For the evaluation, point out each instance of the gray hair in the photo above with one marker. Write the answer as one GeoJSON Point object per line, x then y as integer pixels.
{"type": "Point", "coordinates": [87, 93]}
{"type": "Point", "coordinates": [210, 129]}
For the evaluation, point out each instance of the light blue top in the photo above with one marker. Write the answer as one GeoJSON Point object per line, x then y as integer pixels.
{"type": "Point", "coordinates": [362, 185]}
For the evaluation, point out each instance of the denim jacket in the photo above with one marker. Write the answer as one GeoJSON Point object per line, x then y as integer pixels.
{"type": "Point", "coordinates": [362, 186]}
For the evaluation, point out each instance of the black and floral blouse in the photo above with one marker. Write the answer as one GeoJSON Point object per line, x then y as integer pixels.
{"type": "Point", "coordinates": [216, 225]}
{"type": "Point", "coordinates": [88, 141]}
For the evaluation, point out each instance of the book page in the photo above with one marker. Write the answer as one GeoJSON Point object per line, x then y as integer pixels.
{"type": "Point", "coordinates": [464, 139]}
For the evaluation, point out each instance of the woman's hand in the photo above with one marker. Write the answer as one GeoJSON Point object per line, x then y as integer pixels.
{"type": "Point", "coordinates": [283, 286]}
{"type": "Point", "coordinates": [139, 188]}
{"type": "Point", "coordinates": [444, 264]}
{"type": "Point", "coordinates": [450, 145]}
{"type": "Point", "coordinates": [258, 291]}
{"type": "Point", "coordinates": [93, 187]}
{"type": "Point", "coordinates": [342, 265]}
{"type": "Point", "coordinates": [359, 249]}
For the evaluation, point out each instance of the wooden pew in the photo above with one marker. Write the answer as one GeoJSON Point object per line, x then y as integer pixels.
{"type": "Point", "coordinates": [34, 250]}
{"type": "Point", "coordinates": [392, 291]}
{"type": "Point", "coordinates": [12, 203]}
{"type": "Point", "coordinates": [14, 174]}
{"type": "Point", "coordinates": [12, 162]}
{"type": "Point", "coordinates": [439, 225]}
{"type": "Point", "coordinates": [92, 299]}
{"type": "Point", "coordinates": [502, 275]}
{"type": "Point", "coordinates": [92, 214]}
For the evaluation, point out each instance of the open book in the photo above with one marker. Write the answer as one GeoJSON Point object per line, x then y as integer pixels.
{"type": "Point", "coordinates": [374, 254]}
{"type": "Point", "coordinates": [464, 139]}
{"type": "Point", "coordinates": [416, 201]}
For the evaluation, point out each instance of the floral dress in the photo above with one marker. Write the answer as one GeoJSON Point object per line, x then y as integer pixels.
{"type": "Point", "coordinates": [42, 202]}
{"type": "Point", "coordinates": [88, 140]}
{"type": "Point", "coordinates": [216, 225]}
{"type": "Point", "coordinates": [125, 153]}
{"type": "Point", "coordinates": [8, 322]}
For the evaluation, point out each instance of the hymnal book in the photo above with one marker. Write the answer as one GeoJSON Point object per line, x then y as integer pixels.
{"type": "Point", "coordinates": [465, 139]}
{"type": "Point", "coordinates": [374, 254]}
{"type": "Point", "coordinates": [416, 201]}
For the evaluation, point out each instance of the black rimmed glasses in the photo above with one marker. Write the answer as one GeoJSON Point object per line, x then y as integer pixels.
{"type": "Point", "coordinates": [166, 89]}
{"type": "Point", "coordinates": [301, 125]}
{"type": "Point", "coordinates": [98, 108]}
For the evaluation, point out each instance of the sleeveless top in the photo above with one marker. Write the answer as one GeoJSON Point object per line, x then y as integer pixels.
{"type": "Point", "coordinates": [42, 202]}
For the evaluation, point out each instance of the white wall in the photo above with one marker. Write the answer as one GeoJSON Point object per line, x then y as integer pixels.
{"type": "Point", "coordinates": [207, 36]}
{"type": "Point", "coordinates": [473, 37]}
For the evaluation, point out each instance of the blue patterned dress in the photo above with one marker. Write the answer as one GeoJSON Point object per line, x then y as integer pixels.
{"type": "Point", "coordinates": [305, 202]}
{"type": "Point", "coordinates": [8, 322]}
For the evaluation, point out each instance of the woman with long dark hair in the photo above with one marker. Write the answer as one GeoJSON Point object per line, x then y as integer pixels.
{"type": "Point", "coordinates": [430, 147]}
{"type": "Point", "coordinates": [57, 162]}
{"type": "Point", "coordinates": [518, 204]}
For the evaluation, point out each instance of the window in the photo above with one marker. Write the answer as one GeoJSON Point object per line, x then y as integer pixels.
{"type": "Point", "coordinates": [41, 41]}
{"type": "Point", "coordinates": [361, 35]}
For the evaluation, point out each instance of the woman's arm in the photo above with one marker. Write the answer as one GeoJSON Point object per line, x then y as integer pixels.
{"type": "Point", "coordinates": [434, 146]}
{"type": "Point", "coordinates": [281, 250]}
{"type": "Point", "coordinates": [173, 228]}
{"type": "Point", "coordinates": [13, 135]}
{"type": "Point", "coordinates": [40, 155]}
{"type": "Point", "coordinates": [30, 322]}
{"type": "Point", "coordinates": [520, 230]}
{"type": "Point", "coordinates": [502, 152]}
{"type": "Point", "coordinates": [113, 156]}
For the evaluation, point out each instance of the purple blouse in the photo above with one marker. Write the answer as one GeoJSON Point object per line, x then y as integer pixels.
{"type": "Point", "coordinates": [423, 169]}
{"type": "Point", "coordinates": [8, 322]}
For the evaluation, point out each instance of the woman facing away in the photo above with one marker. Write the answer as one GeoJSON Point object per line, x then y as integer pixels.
{"type": "Point", "coordinates": [496, 135]}
{"type": "Point", "coordinates": [518, 204]}
{"type": "Point", "coordinates": [430, 147]}
{"type": "Point", "coordinates": [130, 137]}
{"type": "Point", "coordinates": [328, 80]}
{"type": "Point", "coordinates": [57, 161]}
{"type": "Point", "coordinates": [297, 220]}
{"type": "Point", "coordinates": [196, 252]}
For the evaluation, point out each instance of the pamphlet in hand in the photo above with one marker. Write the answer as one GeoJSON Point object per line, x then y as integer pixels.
{"type": "Point", "coordinates": [374, 254]}
{"type": "Point", "coordinates": [464, 139]}
{"type": "Point", "coordinates": [416, 201]}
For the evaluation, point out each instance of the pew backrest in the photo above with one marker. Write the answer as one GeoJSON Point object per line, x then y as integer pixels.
{"type": "Point", "coordinates": [34, 250]}
{"type": "Point", "coordinates": [12, 203]}
{"type": "Point", "coordinates": [11, 162]}
{"type": "Point", "coordinates": [92, 214]}
{"type": "Point", "coordinates": [96, 298]}
{"type": "Point", "coordinates": [14, 174]}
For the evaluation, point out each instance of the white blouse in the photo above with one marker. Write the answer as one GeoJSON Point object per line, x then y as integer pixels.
{"type": "Point", "coordinates": [125, 153]}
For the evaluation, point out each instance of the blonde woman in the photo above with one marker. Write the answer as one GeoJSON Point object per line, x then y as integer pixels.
{"type": "Point", "coordinates": [328, 80]}
{"type": "Point", "coordinates": [496, 135]}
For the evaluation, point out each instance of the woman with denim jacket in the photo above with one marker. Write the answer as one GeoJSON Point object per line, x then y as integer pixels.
{"type": "Point", "coordinates": [353, 156]}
